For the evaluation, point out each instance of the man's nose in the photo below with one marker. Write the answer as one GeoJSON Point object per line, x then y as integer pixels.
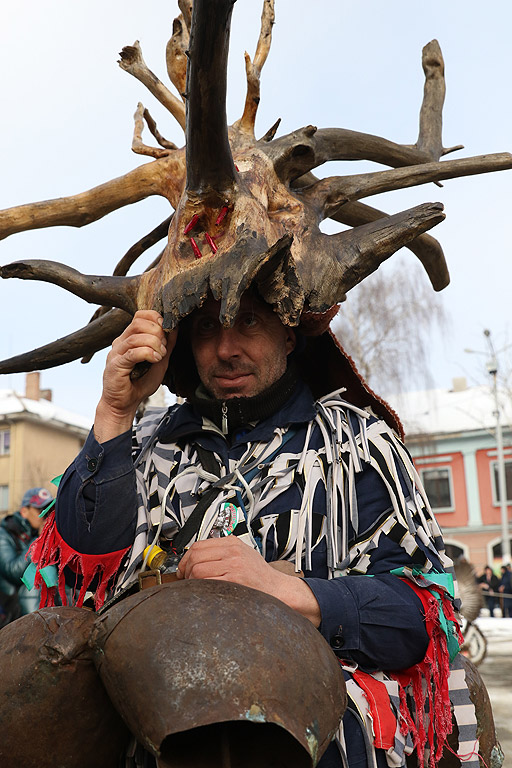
{"type": "Point", "coordinates": [228, 344]}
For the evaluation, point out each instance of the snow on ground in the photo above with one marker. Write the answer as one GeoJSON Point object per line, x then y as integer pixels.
{"type": "Point", "coordinates": [493, 626]}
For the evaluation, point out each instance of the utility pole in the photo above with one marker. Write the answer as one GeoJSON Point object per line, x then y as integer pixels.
{"type": "Point", "coordinates": [492, 368]}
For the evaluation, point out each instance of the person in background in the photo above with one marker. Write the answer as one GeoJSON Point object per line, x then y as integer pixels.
{"type": "Point", "coordinates": [505, 588]}
{"type": "Point", "coordinates": [17, 532]}
{"type": "Point", "coordinates": [489, 584]}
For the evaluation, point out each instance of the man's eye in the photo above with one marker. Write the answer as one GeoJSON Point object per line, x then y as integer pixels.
{"type": "Point", "coordinates": [205, 325]}
{"type": "Point", "coordinates": [249, 321]}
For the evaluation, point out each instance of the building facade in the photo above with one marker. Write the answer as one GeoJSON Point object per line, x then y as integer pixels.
{"type": "Point", "coordinates": [451, 435]}
{"type": "Point", "coordinates": [38, 441]}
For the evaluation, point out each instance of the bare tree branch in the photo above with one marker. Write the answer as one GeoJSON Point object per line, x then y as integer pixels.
{"type": "Point", "coordinates": [430, 138]}
{"type": "Point", "coordinates": [330, 265]}
{"type": "Point", "coordinates": [425, 247]}
{"type": "Point", "coordinates": [175, 55]}
{"type": "Point", "coordinates": [138, 145]}
{"type": "Point", "coordinates": [133, 62]}
{"type": "Point", "coordinates": [128, 259]}
{"type": "Point", "coordinates": [156, 133]}
{"type": "Point", "coordinates": [142, 245]}
{"type": "Point", "coordinates": [253, 69]}
{"type": "Point", "coordinates": [210, 168]}
{"type": "Point", "coordinates": [79, 210]}
{"type": "Point", "coordinates": [118, 292]}
{"type": "Point", "coordinates": [85, 342]}
{"type": "Point", "coordinates": [301, 151]}
{"type": "Point", "coordinates": [385, 325]}
{"type": "Point", "coordinates": [328, 194]}
{"type": "Point", "coordinates": [185, 7]}
{"type": "Point", "coordinates": [269, 135]}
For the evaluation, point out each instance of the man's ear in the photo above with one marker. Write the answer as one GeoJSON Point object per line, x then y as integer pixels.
{"type": "Point", "coordinates": [23, 512]}
{"type": "Point", "coordinates": [291, 340]}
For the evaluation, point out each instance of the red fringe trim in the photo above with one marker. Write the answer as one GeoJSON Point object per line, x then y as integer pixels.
{"type": "Point", "coordinates": [51, 549]}
{"type": "Point", "coordinates": [384, 721]}
{"type": "Point", "coordinates": [429, 683]}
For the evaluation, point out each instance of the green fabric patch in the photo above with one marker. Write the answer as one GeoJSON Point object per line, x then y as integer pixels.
{"type": "Point", "coordinates": [444, 580]}
{"type": "Point", "coordinates": [55, 481]}
{"type": "Point", "coordinates": [452, 642]}
{"type": "Point", "coordinates": [29, 576]}
{"type": "Point", "coordinates": [50, 576]}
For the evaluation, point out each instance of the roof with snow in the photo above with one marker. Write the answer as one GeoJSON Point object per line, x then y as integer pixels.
{"type": "Point", "coordinates": [445, 411]}
{"type": "Point", "coordinates": [13, 405]}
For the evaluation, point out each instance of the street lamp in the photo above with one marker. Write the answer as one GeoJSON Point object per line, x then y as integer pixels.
{"type": "Point", "coordinates": [492, 369]}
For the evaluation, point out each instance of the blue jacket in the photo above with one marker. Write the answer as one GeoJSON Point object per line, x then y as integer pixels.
{"type": "Point", "coordinates": [373, 619]}
{"type": "Point", "coordinates": [16, 535]}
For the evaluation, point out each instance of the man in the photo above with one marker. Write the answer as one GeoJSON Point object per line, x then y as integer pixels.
{"type": "Point", "coordinates": [17, 532]}
{"type": "Point", "coordinates": [324, 485]}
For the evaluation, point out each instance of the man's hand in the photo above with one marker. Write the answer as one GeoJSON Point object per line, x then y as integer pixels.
{"type": "Point", "coordinates": [143, 340]}
{"type": "Point", "coordinates": [229, 559]}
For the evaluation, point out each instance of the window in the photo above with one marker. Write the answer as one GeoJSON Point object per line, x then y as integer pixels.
{"type": "Point", "coordinates": [4, 498]}
{"type": "Point", "coordinates": [438, 486]}
{"type": "Point", "coordinates": [496, 483]}
{"type": "Point", "coordinates": [5, 442]}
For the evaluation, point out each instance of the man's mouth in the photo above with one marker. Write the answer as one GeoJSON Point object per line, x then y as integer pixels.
{"type": "Point", "coordinates": [232, 378]}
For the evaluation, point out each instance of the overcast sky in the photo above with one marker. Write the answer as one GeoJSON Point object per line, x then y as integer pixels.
{"type": "Point", "coordinates": [67, 126]}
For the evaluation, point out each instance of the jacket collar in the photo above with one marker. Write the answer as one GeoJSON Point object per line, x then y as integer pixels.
{"type": "Point", "coordinates": [186, 422]}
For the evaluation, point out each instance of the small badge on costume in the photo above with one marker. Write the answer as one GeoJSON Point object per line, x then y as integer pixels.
{"type": "Point", "coordinates": [228, 518]}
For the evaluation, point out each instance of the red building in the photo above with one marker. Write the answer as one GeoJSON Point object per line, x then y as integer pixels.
{"type": "Point", "coordinates": [451, 435]}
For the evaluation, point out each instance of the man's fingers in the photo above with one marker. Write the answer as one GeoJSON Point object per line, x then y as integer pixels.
{"type": "Point", "coordinates": [142, 346]}
{"type": "Point", "coordinates": [226, 552]}
{"type": "Point", "coordinates": [216, 569]}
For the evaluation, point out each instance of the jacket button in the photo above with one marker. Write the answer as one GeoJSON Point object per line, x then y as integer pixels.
{"type": "Point", "coordinates": [92, 464]}
{"type": "Point", "coordinates": [337, 641]}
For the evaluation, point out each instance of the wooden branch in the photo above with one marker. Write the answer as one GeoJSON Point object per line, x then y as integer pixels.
{"type": "Point", "coordinates": [430, 139]}
{"type": "Point", "coordinates": [176, 55]}
{"type": "Point", "coordinates": [336, 263]}
{"type": "Point", "coordinates": [299, 152]}
{"type": "Point", "coordinates": [142, 245]}
{"type": "Point", "coordinates": [269, 135]}
{"type": "Point", "coordinates": [210, 169]}
{"type": "Point", "coordinates": [328, 194]}
{"type": "Point", "coordinates": [83, 343]}
{"type": "Point", "coordinates": [253, 69]}
{"type": "Point", "coordinates": [86, 207]}
{"type": "Point", "coordinates": [118, 292]}
{"type": "Point", "coordinates": [366, 247]}
{"type": "Point", "coordinates": [128, 260]}
{"type": "Point", "coordinates": [185, 7]}
{"type": "Point", "coordinates": [138, 145]}
{"type": "Point", "coordinates": [425, 247]}
{"type": "Point", "coordinates": [133, 62]}
{"type": "Point", "coordinates": [156, 133]}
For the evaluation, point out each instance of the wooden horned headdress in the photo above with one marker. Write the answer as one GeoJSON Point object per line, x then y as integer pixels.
{"type": "Point", "coordinates": [246, 210]}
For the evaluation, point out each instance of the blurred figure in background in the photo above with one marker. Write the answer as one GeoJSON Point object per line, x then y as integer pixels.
{"type": "Point", "coordinates": [17, 532]}
{"type": "Point", "coordinates": [489, 584]}
{"type": "Point", "coordinates": [505, 588]}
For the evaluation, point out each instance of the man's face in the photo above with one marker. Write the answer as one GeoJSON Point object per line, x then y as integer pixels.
{"type": "Point", "coordinates": [32, 515]}
{"type": "Point", "coordinates": [244, 360]}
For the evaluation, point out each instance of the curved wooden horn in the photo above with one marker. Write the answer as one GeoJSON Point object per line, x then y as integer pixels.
{"type": "Point", "coordinates": [210, 166]}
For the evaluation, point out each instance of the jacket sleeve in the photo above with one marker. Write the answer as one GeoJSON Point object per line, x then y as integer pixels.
{"type": "Point", "coordinates": [96, 509]}
{"type": "Point", "coordinates": [374, 619]}
{"type": "Point", "coordinates": [12, 563]}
